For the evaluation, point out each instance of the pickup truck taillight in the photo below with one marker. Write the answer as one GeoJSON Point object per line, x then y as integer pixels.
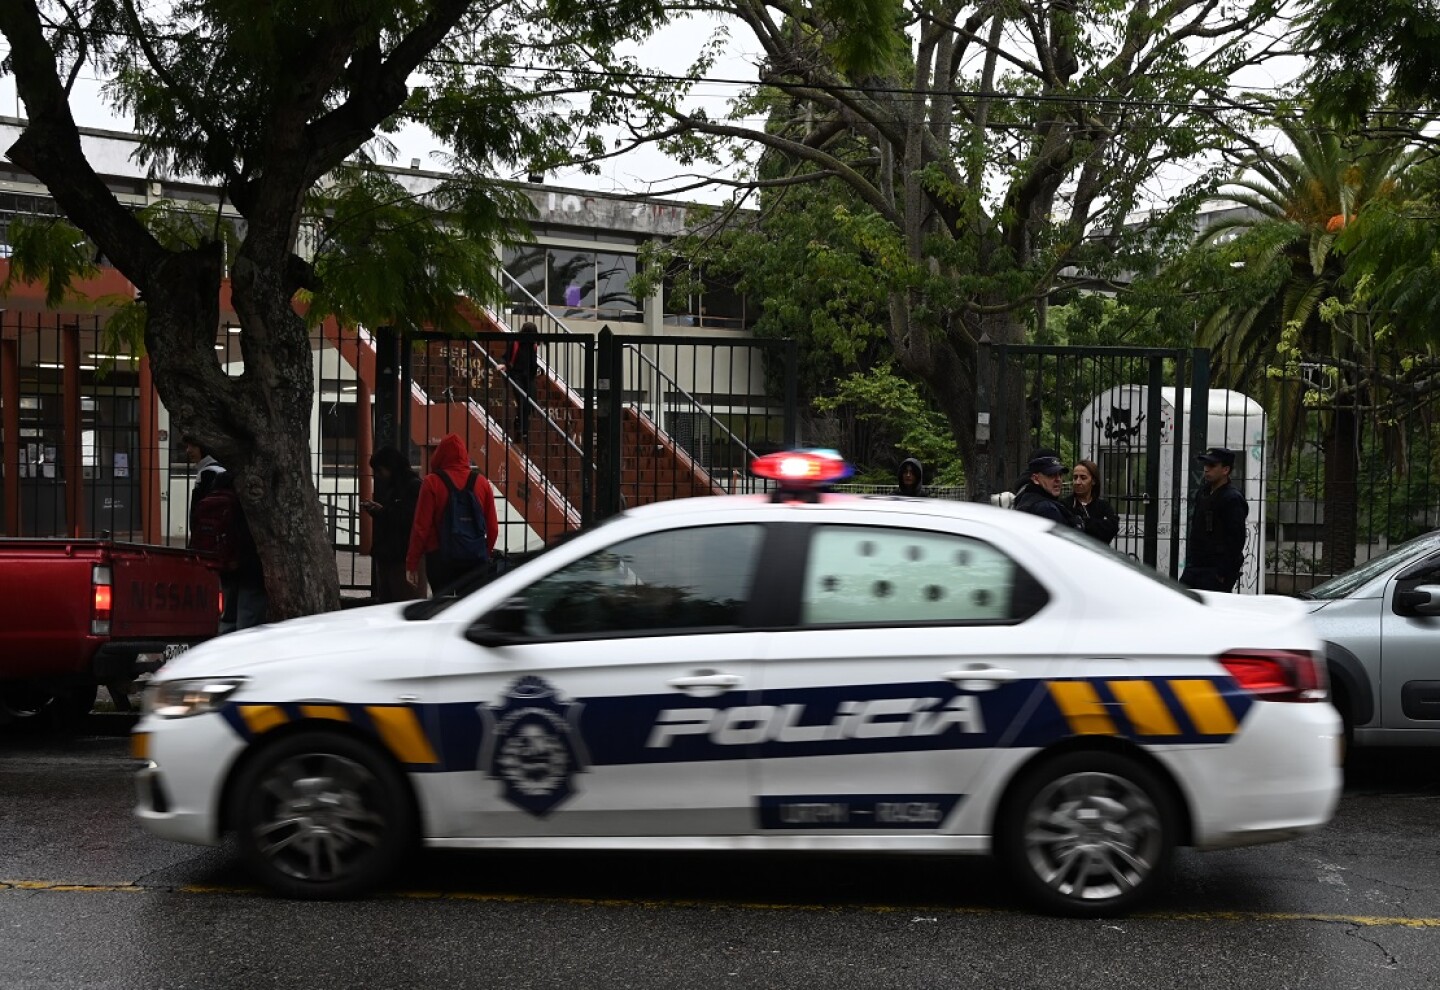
{"type": "Point", "coordinates": [103, 583]}
{"type": "Point", "coordinates": [1278, 675]}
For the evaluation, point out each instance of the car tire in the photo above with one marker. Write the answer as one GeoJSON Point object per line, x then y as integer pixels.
{"type": "Point", "coordinates": [1088, 834]}
{"type": "Point", "coordinates": [322, 816]}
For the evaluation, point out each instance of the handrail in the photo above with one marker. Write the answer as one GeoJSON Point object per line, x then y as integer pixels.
{"type": "Point", "coordinates": [509, 279]}
{"type": "Point", "coordinates": [693, 401]}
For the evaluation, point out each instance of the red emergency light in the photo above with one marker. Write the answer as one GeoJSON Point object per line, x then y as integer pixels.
{"type": "Point", "coordinates": [802, 469]}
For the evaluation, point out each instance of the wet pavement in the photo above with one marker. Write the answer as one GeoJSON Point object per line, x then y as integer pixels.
{"type": "Point", "coordinates": [88, 900]}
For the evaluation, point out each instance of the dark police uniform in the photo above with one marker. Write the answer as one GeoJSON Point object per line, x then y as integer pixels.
{"type": "Point", "coordinates": [1215, 545]}
{"type": "Point", "coordinates": [1038, 501]}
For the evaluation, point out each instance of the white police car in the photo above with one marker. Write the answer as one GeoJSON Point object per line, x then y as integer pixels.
{"type": "Point", "coordinates": [818, 672]}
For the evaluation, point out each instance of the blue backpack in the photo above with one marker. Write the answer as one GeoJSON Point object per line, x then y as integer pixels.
{"type": "Point", "coordinates": [462, 527]}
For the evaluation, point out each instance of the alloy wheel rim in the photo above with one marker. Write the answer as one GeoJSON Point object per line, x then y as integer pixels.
{"type": "Point", "coordinates": [319, 819]}
{"type": "Point", "coordinates": [1092, 836]}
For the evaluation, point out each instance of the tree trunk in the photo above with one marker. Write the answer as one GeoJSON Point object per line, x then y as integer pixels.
{"type": "Point", "coordinates": [1341, 501]}
{"type": "Point", "coordinates": [948, 362]}
{"type": "Point", "coordinates": [257, 424]}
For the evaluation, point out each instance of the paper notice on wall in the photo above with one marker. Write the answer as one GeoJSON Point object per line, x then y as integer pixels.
{"type": "Point", "coordinates": [122, 464]}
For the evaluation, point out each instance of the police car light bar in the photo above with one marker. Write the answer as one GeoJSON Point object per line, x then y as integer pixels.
{"type": "Point", "coordinates": [796, 469]}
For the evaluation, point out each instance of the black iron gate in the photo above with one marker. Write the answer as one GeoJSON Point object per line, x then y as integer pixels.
{"type": "Point", "coordinates": [610, 422]}
{"type": "Point", "coordinates": [1136, 413]}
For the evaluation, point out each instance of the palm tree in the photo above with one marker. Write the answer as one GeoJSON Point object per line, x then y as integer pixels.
{"type": "Point", "coordinates": [1297, 337]}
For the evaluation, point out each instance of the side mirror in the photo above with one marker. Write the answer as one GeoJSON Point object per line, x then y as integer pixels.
{"type": "Point", "coordinates": [1421, 600]}
{"type": "Point", "coordinates": [505, 626]}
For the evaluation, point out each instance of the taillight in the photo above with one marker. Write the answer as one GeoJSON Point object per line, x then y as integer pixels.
{"type": "Point", "coordinates": [1278, 675]}
{"type": "Point", "coordinates": [220, 603]}
{"type": "Point", "coordinates": [102, 582]}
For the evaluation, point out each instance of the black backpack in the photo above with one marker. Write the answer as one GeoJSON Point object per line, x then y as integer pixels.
{"type": "Point", "coordinates": [462, 527]}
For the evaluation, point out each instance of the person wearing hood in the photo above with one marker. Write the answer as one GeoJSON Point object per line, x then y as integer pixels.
{"type": "Point", "coordinates": [910, 479]}
{"type": "Point", "coordinates": [1041, 494]}
{"type": "Point", "coordinates": [453, 460]}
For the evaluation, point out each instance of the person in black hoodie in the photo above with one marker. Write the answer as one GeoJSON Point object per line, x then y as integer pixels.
{"type": "Point", "coordinates": [1041, 494]}
{"type": "Point", "coordinates": [522, 364]}
{"type": "Point", "coordinates": [1094, 514]}
{"type": "Point", "coordinates": [910, 479]}
{"type": "Point", "coordinates": [397, 489]}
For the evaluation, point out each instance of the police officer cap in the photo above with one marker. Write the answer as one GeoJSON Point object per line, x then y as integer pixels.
{"type": "Point", "coordinates": [1046, 465]}
{"type": "Point", "coordinates": [1218, 455]}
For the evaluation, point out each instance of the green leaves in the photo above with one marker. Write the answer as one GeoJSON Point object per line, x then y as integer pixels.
{"type": "Point", "coordinates": [387, 255]}
{"type": "Point", "coordinates": [52, 252]}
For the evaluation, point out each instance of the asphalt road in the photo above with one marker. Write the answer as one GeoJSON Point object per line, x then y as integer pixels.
{"type": "Point", "coordinates": [88, 900]}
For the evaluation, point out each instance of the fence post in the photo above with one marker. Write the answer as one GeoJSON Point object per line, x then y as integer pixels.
{"type": "Point", "coordinates": [984, 484]}
{"type": "Point", "coordinates": [387, 393]}
{"type": "Point", "coordinates": [609, 386]}
{"type": "Point", "coordinates": [10, 431]}
{"type": "Point", "coordinates": [587, 438]}
{"type": "Point", "coordinates": [1153, 412]}
{"type": "Point", "coordinates": [404, 441]}
{"type": "Point", "coordinates": [1199, 424]}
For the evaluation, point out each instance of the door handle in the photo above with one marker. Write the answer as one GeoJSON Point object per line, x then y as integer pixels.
{"type": "Point", "coordinates": [705, 683]}
{"type": "Point", "coordinates": [981, 678]}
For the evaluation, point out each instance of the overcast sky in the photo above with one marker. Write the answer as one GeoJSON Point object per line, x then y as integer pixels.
{"type": "Point", "coordinates": [672, 51]}
{"type": "Point", "coordinates": [646, 170]}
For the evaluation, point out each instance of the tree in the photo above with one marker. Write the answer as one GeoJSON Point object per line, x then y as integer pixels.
{"type": "Point", "coordinates": [1004, 143]}
{"type": "Point", "coordinates": [1292, 325]}
{"type": "Point", "coordinates": [270, 103]}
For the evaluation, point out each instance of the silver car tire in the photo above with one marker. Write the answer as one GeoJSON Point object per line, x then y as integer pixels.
{"type": "Point", "coordinates": [322, 816]}
{"type": "Point", "coordinates": [1088, 834]}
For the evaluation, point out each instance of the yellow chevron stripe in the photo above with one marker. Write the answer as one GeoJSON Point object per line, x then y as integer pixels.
{"type": "Point", "coordinates": [140, 745]}
{"type": "Point", "coordinates": [263, 718]}
{"type": "Point", "coordinates": [1208, 711]}
{"type": "Point", "coordinates": [335, 713]}
{"type": "Point", "coordinates": [1081, 707]}
{"type": "Point", "coordinates": [401, 732]}
{"type": "Point", "coordinates": [1144, 707]}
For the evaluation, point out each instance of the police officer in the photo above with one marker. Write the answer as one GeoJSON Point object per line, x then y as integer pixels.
{"type": "Point", "coordinates": [1040, 495]}
{"type": "Point", "coordinates": [1215, 545]}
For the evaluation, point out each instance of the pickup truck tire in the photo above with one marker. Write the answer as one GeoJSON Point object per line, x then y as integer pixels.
{"type": "Point", "coordinates": [32, 707]}
{"type": "Point", "coordinates": [322, 816]}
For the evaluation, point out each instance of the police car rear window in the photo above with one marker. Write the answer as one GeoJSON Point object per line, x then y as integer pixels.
{"type": "Point", "coordinates": [1090, 543]}
{"type": "Point", "coordinates": [874, 575]}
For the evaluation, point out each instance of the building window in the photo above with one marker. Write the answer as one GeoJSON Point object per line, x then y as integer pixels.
{"type": "Point", "coordinates": [701, 301]}
{"type": "Point", "coordinates": [572, 284]}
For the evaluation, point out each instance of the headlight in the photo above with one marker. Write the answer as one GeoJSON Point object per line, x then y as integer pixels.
{"type": "Point", "coordinates": [196, 696]}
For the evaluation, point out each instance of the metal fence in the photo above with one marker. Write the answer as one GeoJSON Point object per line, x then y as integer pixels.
{"type": "Point", "coordinates": [87, 449]}
{"type": "Point", "coordinates": [1327, 488]}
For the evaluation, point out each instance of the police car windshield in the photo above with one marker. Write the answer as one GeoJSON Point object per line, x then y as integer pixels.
{"type": "Point", "coordinates": [1090, 543]}
{"type": "Point", "coordinates": [428, 608]}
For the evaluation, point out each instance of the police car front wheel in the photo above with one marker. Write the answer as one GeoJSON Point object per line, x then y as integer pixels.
{"type": "Point", "coordinates": [321, 815]}
{"type": "Point", "coordinates": [1088, 834]}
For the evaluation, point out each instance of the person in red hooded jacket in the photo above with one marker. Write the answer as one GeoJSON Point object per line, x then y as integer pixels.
{"type": "Point", "coordinates": [451, 457]}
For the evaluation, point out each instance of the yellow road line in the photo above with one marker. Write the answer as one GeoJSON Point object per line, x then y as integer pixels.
{"type": "Point", "coordinates": [1243, 917]}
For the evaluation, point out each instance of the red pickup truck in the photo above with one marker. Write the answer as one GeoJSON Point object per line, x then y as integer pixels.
{"type": "Point", "coordinates": [77, 613]}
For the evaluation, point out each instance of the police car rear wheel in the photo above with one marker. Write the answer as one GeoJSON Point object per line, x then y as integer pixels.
{"type": "Point", "coordinates": [1088, 834]}
{"type": "Point", "coordinates": [322, 816]}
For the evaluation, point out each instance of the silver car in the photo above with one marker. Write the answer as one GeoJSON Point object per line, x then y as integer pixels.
{"type": "Point", "coordinates": [1381, 627]}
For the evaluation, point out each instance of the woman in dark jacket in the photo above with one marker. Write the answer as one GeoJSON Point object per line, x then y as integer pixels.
{"type": "Point", "coordinates": [1095, 515]}
{"type": "Point", "coordinates": [397, 487]}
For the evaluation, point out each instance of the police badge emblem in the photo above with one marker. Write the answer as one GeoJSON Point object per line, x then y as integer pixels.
{"type": "Point", "coordinates": [532, 745]}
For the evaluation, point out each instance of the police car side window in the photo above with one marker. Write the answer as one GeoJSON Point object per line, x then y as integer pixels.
{"type": "Point", "coordinates": [689, 579]}
{"type": "Point", "coordinates": [881, 576]}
